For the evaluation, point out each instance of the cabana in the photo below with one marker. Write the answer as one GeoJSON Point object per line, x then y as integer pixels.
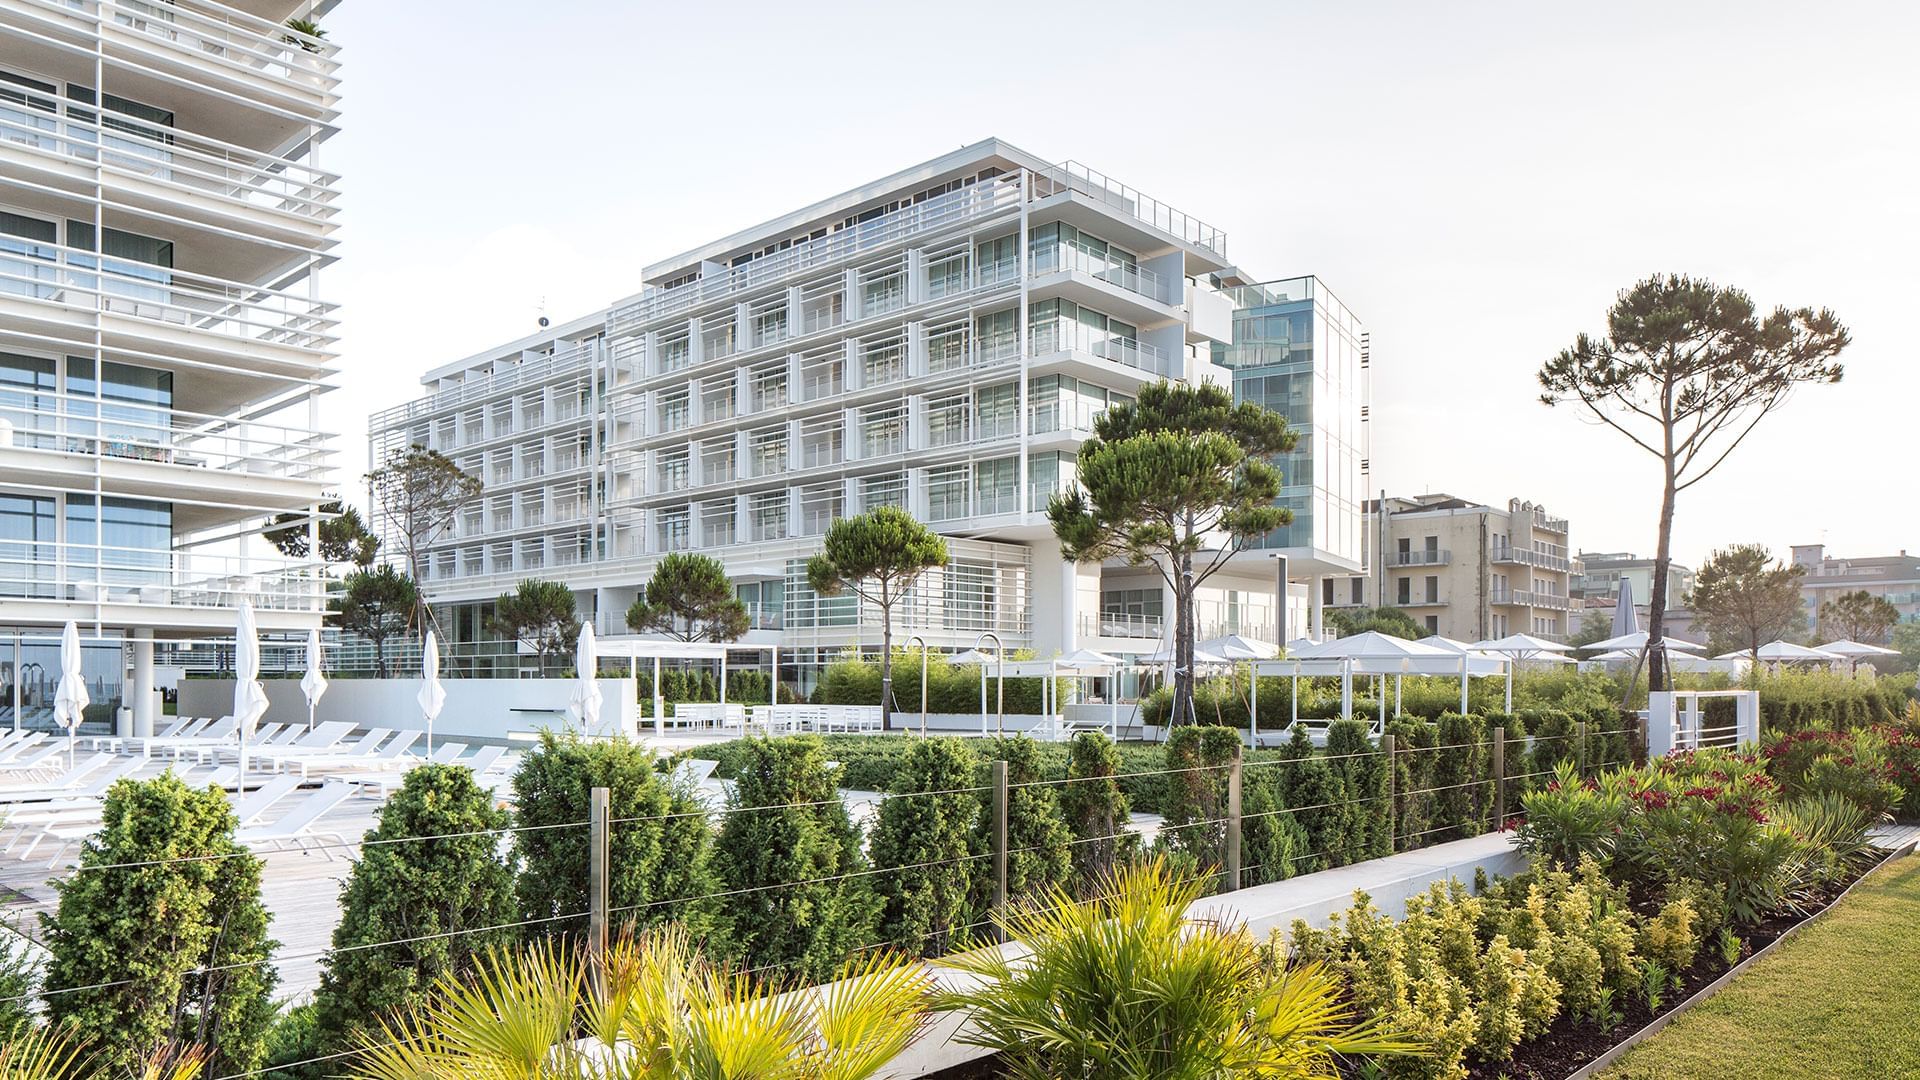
{"type": "Point", "coordinates": [1377, 654]}
{"type": "Point", "coordinates": [636, 649]}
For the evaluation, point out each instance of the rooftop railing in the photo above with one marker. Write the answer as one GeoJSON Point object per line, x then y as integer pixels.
{"type": "Point", "coordinates": [218, 38]}
{"type": "Point", "coordinates": [77, 278]}
{"type": "Point", "coordinates": [505, 377]}
{"type": "Point", "coordinates": [104, 427]}
{"type": "Point", "coordinates": [1071, 175]}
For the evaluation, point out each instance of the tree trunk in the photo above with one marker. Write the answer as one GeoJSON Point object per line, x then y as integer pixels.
{"type": "Point", "coordinates": [886, 662]}
{"type": "Point", "coordinates": [1657, 596]}
{"type": "Point", "coordinates": [1183, 708]}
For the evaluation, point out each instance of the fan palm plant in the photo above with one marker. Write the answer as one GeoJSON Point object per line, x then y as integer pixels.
{"type": "Point", "coordinates": [48, 1053]}
{"type": "Point", "coordinates": [651, 1009]}
{"type": "Point", "coordinates": [1126, 987]}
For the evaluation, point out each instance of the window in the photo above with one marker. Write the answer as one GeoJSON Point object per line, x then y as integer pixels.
{"type": "Point", "coordinates": [946, 275]}
{"type": "Point", "coordinates": [887, 490]}
{"type": "Point", "coordinates": [882, 360]}
{"type": "Point", "coordinates": [947, 493]}
{"type": "Point", "coordinates": [1359, 596]}
{"type": "Point", "coordinates": [1326, 591]}
{"type": "Point", "coordinates": [673, 411]}
{"type": "Point", "coordinates": [716, 523]}
{"type": "Point", "coordinates": [883, 431]}
{"type": "Point", "coordinates": [947, 347]}
{"type": "Point", "coordinates": [998, 259]}
{"type": "Point", "coordinates": [768, 320]}
{"type": "Point", "coordinates": [767, 515]}
{"type": "Point", "coordinates": [1405, 590]}
{"type": "Point", "coordinates": [969, 595]}
{"type": "Point", "coordinates": [998, 336]}
{"type": "Point", "coordinates": [673, 471]}
{"type": "Point", "coordinates": [1433, 590]}
{"type": "Point", "coordinates": [716, 336]}
{"type": "Point", "coordinates": [768, 448]}
{"type": "Point", "coordinates": [1433, 624]}
{"type": "Point", "coordinates": [997, 409]}
{"type": "Point", "coordinates": [672, 529]}
{"type": "Point", "coordinates": [997, 485]}
{"type": "Point", "coordinates": [947, 420]}
{"type": "Point", "coordinates": [674, 352]}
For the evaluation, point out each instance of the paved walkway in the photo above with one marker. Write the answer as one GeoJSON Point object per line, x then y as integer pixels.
{"type": "Point", "coordinates": [1895, 837]}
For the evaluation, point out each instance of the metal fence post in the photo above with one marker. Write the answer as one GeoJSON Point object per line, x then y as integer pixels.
{"type": "Point", "coordinates": [1393, 825]}
{"type": "Point", "coordinates": [599, 801]}
{"type": "Point", "coordinates": [999, 836]}
{"type": "Point", "coordinates": [1233, 823]}
{"type": "Point", "coordinates": [1499, 777]}
{"type": "Point", "coordinates": [1580, 745]}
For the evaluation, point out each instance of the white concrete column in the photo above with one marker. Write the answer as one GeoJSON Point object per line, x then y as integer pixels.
{"type": "Point", "coordinates": [143, 708]}
{"type": "Point", "coordinates": [1316, 606]}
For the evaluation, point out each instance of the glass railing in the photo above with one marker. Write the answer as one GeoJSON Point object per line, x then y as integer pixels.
{"type": "Point", "coordinates": [1061, 336]}
{"type": "Point", "coordinates": [1122, 625]}
{"type": "Point", "coordinates": [105, 427]}
{"type": "Point", "coordinates": [1069, 256]}
{"type": "Point", "coordinates": [155, 578]}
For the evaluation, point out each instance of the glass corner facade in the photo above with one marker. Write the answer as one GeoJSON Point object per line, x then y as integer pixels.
{"type": "Point", "coordinates": [1298, 351]}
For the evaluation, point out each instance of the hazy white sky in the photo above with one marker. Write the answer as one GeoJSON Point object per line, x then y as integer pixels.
{"type": "Point", "coordinates": [1477, 181]}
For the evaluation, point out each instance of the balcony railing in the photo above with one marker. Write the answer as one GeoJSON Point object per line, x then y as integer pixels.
{"type": "Point", "coordinates": [1544, 520]}
{"type": "Point", "coordinates": [200, 165]}
{"type": "Point", "coordinates": [1520, 556]}
{"type": "Point", "coordinates": [233, 41]}
{"type": "Point", "coordinates": [1080, 258]}
{"type": "Point", "coordinates": [1074, 416]}
{"type": "Point", "coordinates": [79, 573]}
{"type": "Point", "coordinates": [1550, 601]}
{"type": "Point", "coordinates": [1122, 625]}
{"type": "Point", "coordinates": [1422, 558]}
{"type": "Point", "coordinates": [65, 275]}
{"type": "Point", "coordinates": [104, 427]}
{"type": "Point", "coordinates": [1058, 336]}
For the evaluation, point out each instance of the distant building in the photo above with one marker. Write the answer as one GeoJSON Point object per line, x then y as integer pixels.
{"type": "Point", "coordinates": [1464, 569]}
{"type": "Point", "coordinates": [1597, 576]}
{"type": "Point", "coordinates": [1894, 577]}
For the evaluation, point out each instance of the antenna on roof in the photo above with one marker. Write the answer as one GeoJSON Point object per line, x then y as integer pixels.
{"type": "Point", "coordinates": [543, 313]}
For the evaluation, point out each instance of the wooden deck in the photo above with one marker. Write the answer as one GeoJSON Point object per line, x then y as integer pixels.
{"type": "Point", "coordinates": [1894, 837]}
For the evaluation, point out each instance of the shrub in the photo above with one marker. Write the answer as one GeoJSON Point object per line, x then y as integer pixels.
{"type": "Point", "coordinates": [785, 852]}
{"type": "Point", "coordinates": [658, 853]}
{"type": "Point", "coordinates": [1362, 772]}
{"type": "Point", "coordinates": [1126, 988]}
{"type": "Point", "coordinates": [165, 911]}
{"type": "Point", "coordinates": [1570, 819]}
{"type": "Point", "coordinates": [1463, 789]}
{"type": "Point", "coordinates": [1195, 809]}
{"type": "Point", "coordinates": [1038, 840]}
{"type": "Point", "coordinates": [447, 892]}
{"type": "Point", "coordinates": [1316, 797]}
{"type": "Point", "coordinates": [1413, 766]}
{"type": "Point", "coordinates": [1670, 938]}
{"type": "Point", "coordinates": [1096, 809]}
{"type": "Point", "coordinates": [927, 843]}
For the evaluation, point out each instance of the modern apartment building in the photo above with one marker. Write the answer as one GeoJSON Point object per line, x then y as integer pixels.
{"type": "Point", "coordinates": [1896, 578]}
{"type": "Point", "coordinates": [1464, 569]}
{"type": "Point", "coordinates": [1597, 577]}
{"type": "Point", "coordinates": [163, 217]}
{"type": "Point", "coordinates": [941, 339]}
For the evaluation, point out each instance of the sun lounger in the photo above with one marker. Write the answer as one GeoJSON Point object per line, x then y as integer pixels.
{"type": "Point", "coordinates": [178, 727]}
{"type": "Point", "coordinates": [92, 788]}
{"type": "Point", "coordinates": [387, 780]}
{"type": "Point", "coordinates": [367, 754]}
{"type": "Point", "coordinates": [45, 759]}
{"type": "Point", "coordinates": [26, 741]}
{"type": "Point", "coordinates": [299, 827]}
{"type": "Point", "coordinates": [70, 821]}
{"type": "Point", "coordinates": [213, 732]}
{"type": "Point", "coordinates": [66, 781]}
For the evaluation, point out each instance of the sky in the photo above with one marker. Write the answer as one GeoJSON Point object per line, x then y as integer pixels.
{"type": "Point", "coordinates": [1476, 181]}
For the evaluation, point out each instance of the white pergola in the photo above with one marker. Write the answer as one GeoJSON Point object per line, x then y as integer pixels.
{"type": "Point", "coordinates": [1376, 654]}
{"type": "Point", "coordinates": [636, 648]}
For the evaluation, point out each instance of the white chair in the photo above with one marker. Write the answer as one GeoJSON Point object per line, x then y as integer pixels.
{"type": "Point", "coordinates": [92, 789]}
{"type": "Point", "coordinates": [386, 781]}
{"type": "Point", "coordinates": [297, 828]}
{"type": "Point", "coordinates": [178, 727]}
{"type": "Point", "coordinates": [45, 759]}
{"type": "Point", "coordinates": [66, 781]}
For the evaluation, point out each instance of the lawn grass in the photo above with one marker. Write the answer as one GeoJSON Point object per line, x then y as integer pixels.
{"type": "Point", "coordinates": [1840, 1000]}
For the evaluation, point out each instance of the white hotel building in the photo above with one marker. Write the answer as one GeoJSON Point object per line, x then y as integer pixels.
{"type": "Point", "coordinates": [163, 216]}
{"type": "Point", "coordinates": [941, 339]}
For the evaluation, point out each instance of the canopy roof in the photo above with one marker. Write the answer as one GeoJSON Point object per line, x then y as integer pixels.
{"type": "Point", "coordinates": [1637, 641]}
{"type": "Point", "coordinates": [1164, 655]}
{"type": "Point", "coordinates": [1854, 649]}
{"type": "Point", "coordinates": [1440, 641]}
{"type": "Point", "coordinates": [1373, 645]}
{"type": "Point", "coordinates": [1235, 647]}
{"type": "Point", "coordinates": [1521, 645]}
{"type": "Point", "coordinates": [1781, 651]}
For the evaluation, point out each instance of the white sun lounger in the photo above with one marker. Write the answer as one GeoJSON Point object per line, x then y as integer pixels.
{"type": "Point", "coordinates": [366, 754]}
{"type": "Point", "coordinates": [92, 789]}
{"type": "Point", "coordinates": [387, 780]}
{"type": "Point", "coordinates": [296, 829]}
{"type": "Point", "coordinates": [72, 821]}
{"type": "Point", "coordinates": [216, 732]}
{"type": "Point", "coordinates": [27, 741]}
{"type": "Point", "coordinates": [180, 726]}
{"type": "Point", "coordinates": [146, 745]}
{"type": "Point", "coordinates": [65, 781]}
{"type": "Point", "coordinates": [44, 759]}
{"type": "Point", "coordinates": [287, 738]}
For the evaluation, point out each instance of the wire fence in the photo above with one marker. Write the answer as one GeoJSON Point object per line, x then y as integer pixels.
{"type": "Point", "coordinates": [1218, 810]}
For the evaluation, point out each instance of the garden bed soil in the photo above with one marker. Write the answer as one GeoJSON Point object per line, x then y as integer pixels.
{"type": "Point", "coordinates": [1573, 1042]}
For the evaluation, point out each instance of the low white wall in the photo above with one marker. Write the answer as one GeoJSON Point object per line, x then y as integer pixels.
{"type": "Point", "coordinates": [476, 708]}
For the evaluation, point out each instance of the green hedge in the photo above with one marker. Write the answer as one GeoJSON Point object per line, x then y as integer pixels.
{"type": "Point", "coordinates": [951, 688]}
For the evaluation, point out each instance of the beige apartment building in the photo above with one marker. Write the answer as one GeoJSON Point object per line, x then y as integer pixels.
{"type": "Point", "coordinates": [1464, 569]}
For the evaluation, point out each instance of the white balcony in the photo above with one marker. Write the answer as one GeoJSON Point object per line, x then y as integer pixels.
{"type": "Point", "coordinates": [1051, 337]}
{"type": "Point", "coordinates": [1439, 557]}
{"type": "Point", "coordinates": [1554, 559]}
{"type": "Point", "coordinates": [159, 307]}
{"type": "Point", "coordinates": [1072, 257]}
{"type": "Point", "coordinates": [1122, 625]}
{"type": "Point", "coordinates": [167, 170]}
{"type": "Point", "coordinates": [224, 50]}
{"type": "Point", "coordinates": [82, 425]}
{"type": "Point", "coordinates": [36, 575]}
